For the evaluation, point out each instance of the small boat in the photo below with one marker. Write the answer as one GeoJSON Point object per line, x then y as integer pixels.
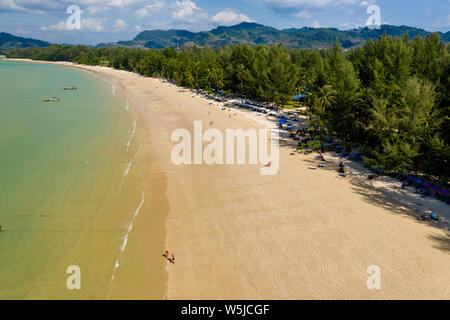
{"type": "Point", "coordinates": [54, 99]}
{"type": "Point", "coordinates": [70, 88]}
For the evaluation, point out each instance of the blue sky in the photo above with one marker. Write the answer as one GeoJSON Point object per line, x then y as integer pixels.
{"type": "Point", "coordinates": [112, 20]}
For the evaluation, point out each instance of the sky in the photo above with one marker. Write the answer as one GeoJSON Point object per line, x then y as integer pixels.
{"type": "Point", "coordinates": [113, 20]}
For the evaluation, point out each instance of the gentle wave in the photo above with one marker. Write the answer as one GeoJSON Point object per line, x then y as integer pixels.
{"type": "Point", "coordinates": [127, 169]}
{"type": "Point", "coordinates": [130, 227]}
{"type": "Point", "coordinates": [133, 132]}
{"type": "Point", "coordinates": [125, 239]}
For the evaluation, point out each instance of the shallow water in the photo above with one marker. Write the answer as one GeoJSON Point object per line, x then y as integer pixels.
{"type": "Point", "coordinates": [68, 191]}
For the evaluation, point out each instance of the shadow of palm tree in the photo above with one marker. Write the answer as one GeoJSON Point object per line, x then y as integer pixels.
{"type": "Point", "coordinates": [442, 243]}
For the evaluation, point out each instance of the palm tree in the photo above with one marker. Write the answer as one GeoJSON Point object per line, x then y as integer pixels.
{"type": "Point", "coordinates": [325, 98]}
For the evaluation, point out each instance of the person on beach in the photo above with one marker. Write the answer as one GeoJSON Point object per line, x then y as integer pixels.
{"type": "Point", "coordinates": [167, 254]}
{"type": "Point", "coordinates": [173, 258]}
{"type": "Point", "coordinates": [341, 168]}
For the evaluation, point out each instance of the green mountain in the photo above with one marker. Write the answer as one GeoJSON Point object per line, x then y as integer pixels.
{"type": "Point", "coordinates": [254, 34]}
{"type": "Point", "coordinates": [9, 42]}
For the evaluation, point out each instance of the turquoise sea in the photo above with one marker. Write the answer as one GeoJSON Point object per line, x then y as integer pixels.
{"type": "Point", "coordinates": [63, 199]}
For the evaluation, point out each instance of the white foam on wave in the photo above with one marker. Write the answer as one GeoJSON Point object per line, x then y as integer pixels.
{"type": "Point", "coordinates": [127, 106]}
{"type": "Point", "coordinates": [130, 228]}
{"type": "Point", "coordinates": [133, 132]}
{"type": "Point", "coordinates": [136, 213]}
{"type": "Point", "coordinates": [127, 169]}
{"type": "Point", "coordinates": [124, 244]}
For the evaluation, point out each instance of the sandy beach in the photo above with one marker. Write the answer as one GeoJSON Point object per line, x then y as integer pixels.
{"type": "Point", "coordinates": [300, 234]}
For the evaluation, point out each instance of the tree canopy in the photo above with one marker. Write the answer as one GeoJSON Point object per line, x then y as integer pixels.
{"type": "Point", "coordinates": [389, 97]}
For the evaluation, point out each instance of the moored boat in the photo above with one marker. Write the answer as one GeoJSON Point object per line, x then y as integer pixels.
{"type": "Point", "coordinates": [54, 99]}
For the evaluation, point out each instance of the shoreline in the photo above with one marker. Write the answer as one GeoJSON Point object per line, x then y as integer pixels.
{"type": "Point", "coordinates": [299, 235]}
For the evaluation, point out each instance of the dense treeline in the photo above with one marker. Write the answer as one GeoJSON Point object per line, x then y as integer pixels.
{"type": "Point", "coordinates": [390, 98]}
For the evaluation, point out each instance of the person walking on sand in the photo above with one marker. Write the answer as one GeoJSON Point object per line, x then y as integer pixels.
{"type": "Point", "coordinates": [167, 254]}
{"type": "Point", "coordinates": [173, 258]}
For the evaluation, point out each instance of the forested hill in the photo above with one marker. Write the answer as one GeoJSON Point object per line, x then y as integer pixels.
{"type": "Point", "coordinates": [254, 34]}
{"type": "Point", "coordinates": [9, 42]}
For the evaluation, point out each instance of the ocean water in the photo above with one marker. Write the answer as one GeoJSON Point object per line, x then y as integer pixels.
{"type": "Point", "coordinates": [68, 188]}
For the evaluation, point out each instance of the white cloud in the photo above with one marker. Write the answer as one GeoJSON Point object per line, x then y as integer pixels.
{"type": "Point", "coordinates": [304, 14]}
{"type": "Point", "coordinates": [47, 5]}
{"type": "Point", "coordinates": [92, 24]}
{"type": "Point", "coordinates": [290, 7]}
{"type": "Point", "coordinates": [10, 5]}
{"type": "Point", "coordinates": [120, 24]}
{"type": "Point", "coordinates": [89, 24]}
{"type": "Point", "coordinates": [112, 3]}
{"type": "Point", "coordinates": [154, 7]}
{"type": "Point", "coordinates": [60, 26]}
{"type": "Point", "coordinates": [95, 9]}
{"type": "Point", "coordinates": [22, 32]}
{"type": "Point", "coordinates": [120, 3]}
{"type": "Point", "coordinates": [316, 24]}
{"type": "Point", "coordinates": [366, 3]}
{"type": "Point", "coordinates": [188, 11]}
{"type": "Point", "coordinates": [229, 17]}
{"type": "Point", "coordinates": [36, 6]}
{"type": "Point", "coordinates": [285, 4]}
